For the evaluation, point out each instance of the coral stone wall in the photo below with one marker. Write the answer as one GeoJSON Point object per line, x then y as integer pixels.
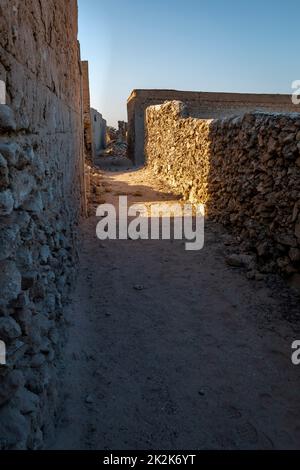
{"type": "Point", "coordinates": [246, 170]}
{"type": "Point", "coordinates": [87, 117]}
{"type": "Point", "coordinates": [41, 178]}
{"type": "Point", "coordinates": [203, 105]}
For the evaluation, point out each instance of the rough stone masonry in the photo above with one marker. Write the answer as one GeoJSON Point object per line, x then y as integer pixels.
{"type": "Point", "coordinates": [41, 178]}
{"type": "Point", "coordinates": [89, 147]}
{"type": "Point", "coordinates": [246, 169]}
{"type": "Point", "coordinates": [203, 105]}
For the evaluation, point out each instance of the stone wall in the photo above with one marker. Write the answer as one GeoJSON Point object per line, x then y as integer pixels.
{"type": "Point", "coordinates": [246, 169]}
{"type": "Point", "coordinates": [87, 119]}
{"type": "Point", "coordinates": [201, 104]}
{"type": "Point", "coordinates": [99, 131]}
{"type": "Point", "coordinates": [41, 178]}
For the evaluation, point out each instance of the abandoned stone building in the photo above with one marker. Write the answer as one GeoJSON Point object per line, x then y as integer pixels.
{"type": "Point", "coordinates": [238, 154]}
{"type": "Point", "coordinates": [93, 121]}
{"type": "Point", "coordinates": [98, 131]}
{"type": "Point", "coordinates": [245, 169]}
{"type": "Point", "coordinates": [220, 149]}
{"type": "Point", "coordinates": [202, 105]}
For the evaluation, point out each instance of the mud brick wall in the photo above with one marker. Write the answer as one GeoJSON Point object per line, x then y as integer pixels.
{"type": "Point", "coordinates": [41, 178]}
{"type": "Point", "coordinates": [246, 169]}
{"type": "Point", "coordinates": [204, 105]}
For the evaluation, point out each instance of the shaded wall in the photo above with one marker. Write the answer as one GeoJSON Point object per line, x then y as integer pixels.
{"type": "Point", "coordinates": [41, 182]}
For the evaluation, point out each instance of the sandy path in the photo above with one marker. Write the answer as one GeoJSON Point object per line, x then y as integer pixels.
{"type": "Point", "coordinates": [199, 358]}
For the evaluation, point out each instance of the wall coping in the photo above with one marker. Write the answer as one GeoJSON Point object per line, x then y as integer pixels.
{"type": "Point", "coordinates": [211, 96]}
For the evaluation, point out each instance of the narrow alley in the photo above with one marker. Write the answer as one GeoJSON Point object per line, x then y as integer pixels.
{"type": "Point", "coordinates": [149, 232]}
{"type": "Point", "coordinates": [170, 349]}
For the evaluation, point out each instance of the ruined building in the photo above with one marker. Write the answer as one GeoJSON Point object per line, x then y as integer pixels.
{"type": "Point", "coordinates": [94, 124]}
{"type": "Point", "coordinates": [245, 169]}
{"type": "Point", "coordinates": [204, 105]}
{"type": "Point", "coordinates": [239, 154]}
{"type": "Point", "coordinates": [98, 131]}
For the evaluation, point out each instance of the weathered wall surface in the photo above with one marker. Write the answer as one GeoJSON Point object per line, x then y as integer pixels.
{"type": "Point", "coordinates": [99, 131]}
{"type": "Point", "coordinates": [201, 105]}
{"type": "Point", "coordinates": [41, 176]}
{"type": "Point", "coordinates": [122, 129]}
{"type": "Point", "coordinates": [87, 121]}
{"type": "Point", "coordinates": [246, 170]}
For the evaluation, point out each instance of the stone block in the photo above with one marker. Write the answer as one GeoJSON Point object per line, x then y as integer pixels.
{"type": "Point", "coordinates": [9, 329]}
{"type": "Point", "coordinates": [10, 281]}
{"type": "Point", "coordinates": [22, 185]}
{"type": "Point", "coordinates": [11, 152]}
{"type": "Point", "coordinates": [7, 119]}
{"type": "Point", "coordinates": [10, 384]}
{"type": "Point", "coordinates": [14, 429]}
{"type": "Point", "coordinates": [6, 202]}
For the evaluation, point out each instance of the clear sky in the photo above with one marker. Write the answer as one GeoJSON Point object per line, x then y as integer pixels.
{"type": "Point", "coordinates": [201, 45]}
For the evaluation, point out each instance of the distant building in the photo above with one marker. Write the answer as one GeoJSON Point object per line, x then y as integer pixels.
{"type": "Point", "coordinates": [98, 131]}
{"type": "Point", "coordinates": [202, 105]}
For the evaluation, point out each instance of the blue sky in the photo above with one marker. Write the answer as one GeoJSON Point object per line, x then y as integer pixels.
{"type": "Point", "coordinates": [202, 45]}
